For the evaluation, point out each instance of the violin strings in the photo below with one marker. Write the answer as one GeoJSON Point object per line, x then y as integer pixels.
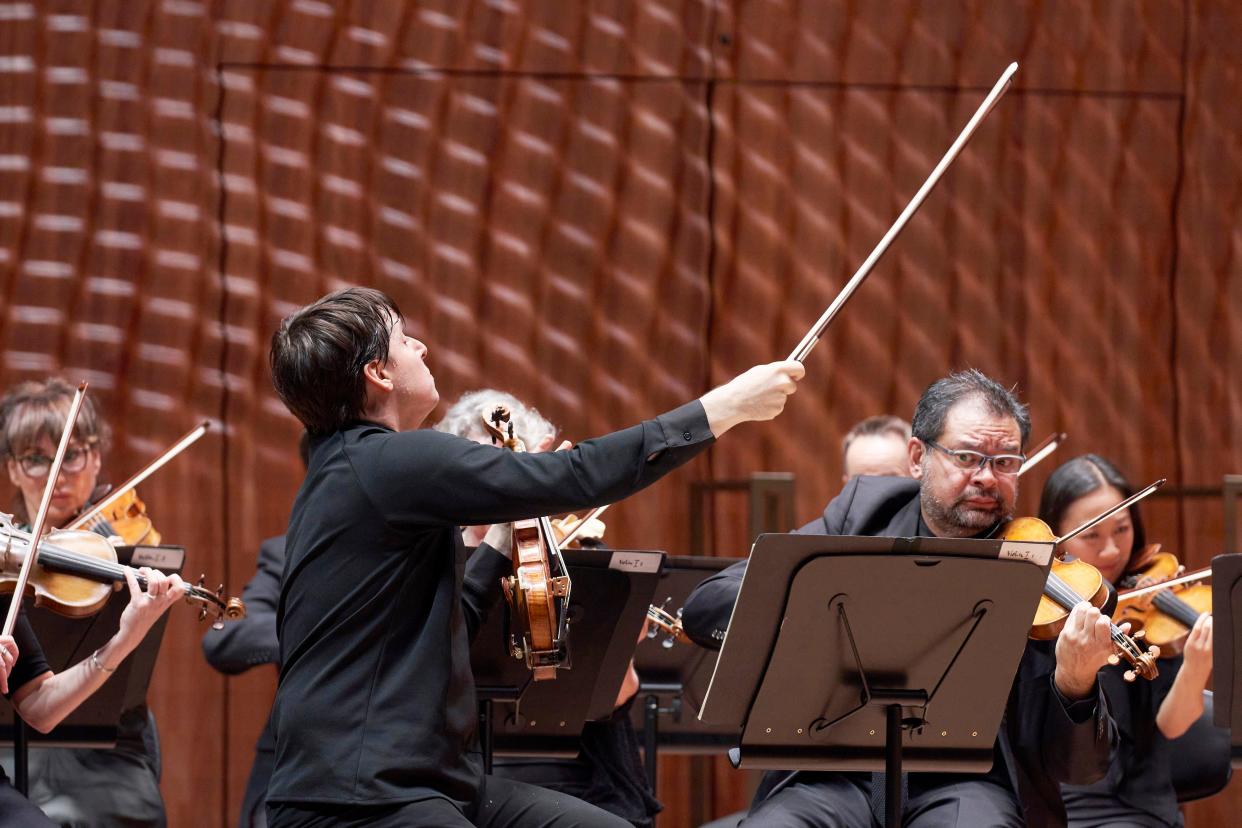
{"type": "Point", "coordinates": [76, 563]}
{"type": "Point", "coordinates": [1179, 610]}
{"type": "Point", "coordinates": [1056, 589]}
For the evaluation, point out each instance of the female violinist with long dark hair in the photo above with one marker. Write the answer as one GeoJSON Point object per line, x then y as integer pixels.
{"type": "Point", "coordinates": [1138, 790]}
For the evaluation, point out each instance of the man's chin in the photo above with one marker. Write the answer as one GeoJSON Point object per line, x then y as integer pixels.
{"type": "Point", "coordinates": [977, 519]}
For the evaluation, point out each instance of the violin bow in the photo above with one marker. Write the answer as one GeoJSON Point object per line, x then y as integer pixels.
{"type": "Point", "coordinates": [1050, 444]}
{"type": "Point", "coordinates": [1135, 594]}
{"type": "Point", "coordinates": [808, 342]}
{"type": "Point", "coordinates": [36, 529]}
{"type": "Point", "coordinates": [581, 524]}
{"type": "Point", "coordinates": [1107, 513]}
{"type": "Point", "coordinates": [190, 438]}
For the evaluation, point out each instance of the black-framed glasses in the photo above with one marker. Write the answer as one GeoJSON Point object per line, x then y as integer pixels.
{"type": "Point", "coordinates": [36, 465]}
{"type": "Point", "coordinates": [968, 460]}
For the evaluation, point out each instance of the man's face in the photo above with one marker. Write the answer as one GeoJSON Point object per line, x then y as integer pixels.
{"type": "Point", "coordinates": [73, 488]}
{"type": "Point", "coordinates": [962, 502]}
{"type": "Point", "coordinates": [413, 383]}
{"type": "Point", "coordinates": [877, 454]}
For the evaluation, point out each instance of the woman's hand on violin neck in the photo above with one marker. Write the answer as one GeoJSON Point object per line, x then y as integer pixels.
{"type": "Point", "coordinates": [1197, 654]}
{"type": "Point", "coordinates": [1083, 647]}
{"type": "Point", "coordinates": [758, 394]}
{"type": "Point", "coordinates": [8, 657]}
{"type": "Point", "coordinates": [145, 608]}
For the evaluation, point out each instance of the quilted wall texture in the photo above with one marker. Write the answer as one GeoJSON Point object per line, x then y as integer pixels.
{"type": "Point", "coordinates": [607, 208]}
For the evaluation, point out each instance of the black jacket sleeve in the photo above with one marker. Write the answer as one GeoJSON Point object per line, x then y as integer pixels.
{"type": "Point", "coordinates": [252, 640]}
{"type": "Point", "coordinates": [480, 587]}
{"type": "Point", "coordinates": [428, 478]}
{"type": "Point", "coordinates": [1056, 740]}
{"type": "Point", "coordinates": [705, 617]}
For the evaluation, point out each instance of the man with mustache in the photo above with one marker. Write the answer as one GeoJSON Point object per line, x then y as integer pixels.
{"type": "Point", "coordinates": [964, 456]}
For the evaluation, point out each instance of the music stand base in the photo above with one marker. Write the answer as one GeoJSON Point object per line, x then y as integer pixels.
{"type": "Point", "coordinates": [651, 723]}
{"type": "Point", "coordinates": [893, 803]}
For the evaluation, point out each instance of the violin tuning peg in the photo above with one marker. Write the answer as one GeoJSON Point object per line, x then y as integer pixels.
{"type": "Point", "coordinates": [1129, 675]}
{"type": "Point", "coordinates": [1138, 636]}
{"type": "Point", "coordinates": [1153, 651]}
{"type": "Point", "coordinates": [201, 579]}
{"type": "Point", "coordinates": [1113, 660]}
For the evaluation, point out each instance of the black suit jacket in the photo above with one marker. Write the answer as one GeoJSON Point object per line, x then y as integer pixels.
{"type": "Point", "coordinates": [250, 643]}
{"type": "Point", "coordinates": [1044, 739]}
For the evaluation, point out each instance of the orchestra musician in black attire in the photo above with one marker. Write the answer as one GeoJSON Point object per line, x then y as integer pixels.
{"type": "Point", "coordinates": [375, 709]}
{"type": "Point", "coordinates": [608, 770]}
{"type": "Point", "coordinates": [968, 434]}
{"type": "Point", "coordinates": [1138, 790]}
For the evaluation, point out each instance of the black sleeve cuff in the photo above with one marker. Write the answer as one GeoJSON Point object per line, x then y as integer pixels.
{"type": "Point", "coordinates": [486, 566]}
{"type": "Point", "coordinates": [1081, 711]}
{"type": "Point", "coordinates": [684, 426]}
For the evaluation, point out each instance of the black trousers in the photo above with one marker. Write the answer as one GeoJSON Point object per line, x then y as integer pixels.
{"type": "Point", "coordinates": [839, 801]}
{"type": "Point", "coordinates": [18, 811]}
{"type": "Point", "coordinates": [502, 803]}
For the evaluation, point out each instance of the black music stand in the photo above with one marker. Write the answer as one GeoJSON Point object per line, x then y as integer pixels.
{"type": "Point", "coordinates": [65, 642]}
{"type": "Point", "coordinates": [875, 654]}
{"type": "Point", "coordinates": [612, 589]}
{"type": "Point", "coordinates": [673, 676]}
{"type": "Point", "coordinates": [1226, 635]}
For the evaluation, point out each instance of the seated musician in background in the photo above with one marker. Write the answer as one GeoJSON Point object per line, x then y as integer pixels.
{"type": "Point", "coordinates": [76, 786]}
{"type": "Point", "coordinates": [968, 435]}
{"type": "Point", "coordinates": [251, 642]}
{"type": "Point", "coordinates": [608, 772]}
{"type": "Point", "coordinates": [375, 710]}
{"type": "Point", "coordinates": [1138, 790]}
{"type": "Point", "coordinates": [877, 446]}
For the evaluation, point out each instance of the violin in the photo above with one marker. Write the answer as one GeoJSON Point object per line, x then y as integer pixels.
{"type": "Point", "coordinates": [1071, 582]}
{"type": "Point", "coordinates": [127, 517]}
{"type": "Point", "coordinates": [538, 590]}
{"type": "Point", "coordinates": [75, 572]}
{"type": "Point", "coordinates": [663, 621]}
{"type": "Point", "coordinates": [1166, 614]}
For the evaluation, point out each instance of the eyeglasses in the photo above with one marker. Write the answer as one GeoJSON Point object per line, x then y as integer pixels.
{"type": "Point", "coordinates": [38, 465]}
{"type": "Point", "coordinates": [968, 460]}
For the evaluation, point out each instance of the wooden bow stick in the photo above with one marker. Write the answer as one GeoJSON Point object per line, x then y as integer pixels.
{"type": "Point", "coordinates": [576, 528]}
{"type": "Point", "coordinates": [36, 530]}
{"type": "Point", "coordinates": [1048, 446]}
{"type": "Point", "coordinates": [151, 468]}
{"type": "Point", "coordinates": [801, 352]}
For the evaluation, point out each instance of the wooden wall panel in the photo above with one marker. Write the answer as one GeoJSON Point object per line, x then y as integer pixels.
{"type": "Point", "coordinates": [606, 208]}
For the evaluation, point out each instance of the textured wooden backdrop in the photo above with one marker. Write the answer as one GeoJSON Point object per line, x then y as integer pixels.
{"type": "Point", "coordinates": [607, 207]}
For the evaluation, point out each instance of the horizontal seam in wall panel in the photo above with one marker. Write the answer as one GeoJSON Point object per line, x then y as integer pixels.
{"type": "Point", "coordinates": [632, 78]}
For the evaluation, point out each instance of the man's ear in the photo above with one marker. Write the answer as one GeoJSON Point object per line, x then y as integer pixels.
{"type": "Point", "coordinates": [916, 449]}
{"type": "Point", "coordinates": [377, 377]}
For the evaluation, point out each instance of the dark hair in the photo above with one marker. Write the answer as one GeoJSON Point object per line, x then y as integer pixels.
{"type": "Point", "coordinates": [874, 426]}
{"type": "Point", "coordinates": [1078, 478]}
{"type": "Point", "coordinates": [35, 409]}
{"type": "Point", "coordinates": [319, 352]}
{"type": "Point", "coordinates": [933, 407]}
